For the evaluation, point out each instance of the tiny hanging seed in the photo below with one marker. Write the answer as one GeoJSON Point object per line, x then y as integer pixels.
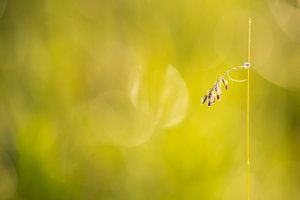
{"type": "Point", "coordinates": [225, 83]}
{"type": "Point", "coordinates": [204, 98]}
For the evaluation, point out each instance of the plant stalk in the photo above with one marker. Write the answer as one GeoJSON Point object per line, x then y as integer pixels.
{"type": "Point", "coordinates": [248, 171]}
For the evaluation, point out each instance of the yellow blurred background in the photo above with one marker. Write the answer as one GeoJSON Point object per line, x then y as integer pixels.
{"type": "Point", "coordinates": [102, 99]}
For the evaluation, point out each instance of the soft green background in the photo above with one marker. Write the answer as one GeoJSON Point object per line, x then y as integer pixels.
{"type": "Point", "coordinates": [90, 107]}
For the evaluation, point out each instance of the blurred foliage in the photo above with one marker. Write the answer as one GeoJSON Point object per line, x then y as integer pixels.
{"type": "Point", "coordinates": [101, 99]}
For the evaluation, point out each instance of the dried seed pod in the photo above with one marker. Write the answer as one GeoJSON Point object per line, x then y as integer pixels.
{"type": "Point", "coordinates": [213, 97]}
{"type": "Point", "coordinates": [225, 83]}
{"type": "Point", "coordinates": [219, 91]}
{"type": "Point", "coordinates": [204, 98]}
{"type": "Point", "coordinates": [208, 97]}
{"type": "Point", "coordinates": [216, 87]}
{"type": "Point", "coordinates": [209, 94]}
{"type": "Point", "coordinates": [209, 103]}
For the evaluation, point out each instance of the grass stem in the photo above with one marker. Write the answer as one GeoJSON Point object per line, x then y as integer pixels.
{"type": "Point", "coordinates": [248, 182]}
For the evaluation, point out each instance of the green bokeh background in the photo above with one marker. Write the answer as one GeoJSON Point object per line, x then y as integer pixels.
{"type": "Point", "coordinates": [71, 129]}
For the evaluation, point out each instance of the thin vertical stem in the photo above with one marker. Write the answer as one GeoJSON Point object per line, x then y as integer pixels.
{"type": "Point", "coordinates": [248, 182]}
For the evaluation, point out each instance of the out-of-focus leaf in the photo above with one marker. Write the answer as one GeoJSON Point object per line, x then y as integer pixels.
{"type": "Point", "coordinates": [174, 99]}
{"type": "Point", "coordinates": [138, 91]}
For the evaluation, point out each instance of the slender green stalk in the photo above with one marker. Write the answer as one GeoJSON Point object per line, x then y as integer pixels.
{"type": "Point", "coordinates": [248, 182]}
